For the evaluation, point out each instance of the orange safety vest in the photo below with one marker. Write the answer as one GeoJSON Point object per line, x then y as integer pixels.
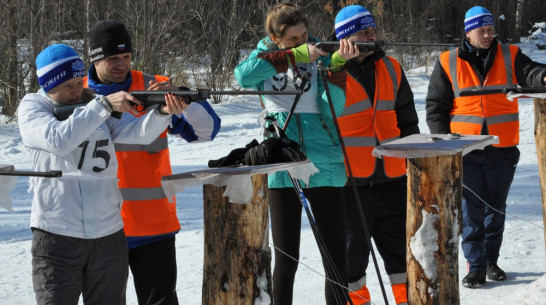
{"type": "Point", "coordinates": [363, 125]}
{"type": "Point", "coordinates": [146, 210]}
{"type": "Point", "coordinates": [469, 113]}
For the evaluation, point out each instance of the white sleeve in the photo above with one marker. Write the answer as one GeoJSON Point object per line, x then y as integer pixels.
{"type": "Point", "coordinates": [202, 121]}
{"type": "Point", "coordinates": [138, 130]}
{"type": "Point", "coordinates": [42, 130]}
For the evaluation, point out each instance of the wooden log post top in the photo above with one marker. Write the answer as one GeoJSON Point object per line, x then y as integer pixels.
{"type": "Point", "coordinates": [432, 145]}
{"type": "Point", "coordinates": [237, 179]}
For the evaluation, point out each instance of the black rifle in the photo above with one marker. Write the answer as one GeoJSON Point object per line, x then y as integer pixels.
{"type": "Point", "coordinates": [366, 46]}
{"type": "Point", "coordinates": [149, 98]}
{"type": "Point", "coordinates": [521, 90]}
{"type": "Point", "coordinates": [50, 174]}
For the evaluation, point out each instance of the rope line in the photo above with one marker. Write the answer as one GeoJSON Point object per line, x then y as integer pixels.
{"type": "Point", "coordinates": [505, 213]}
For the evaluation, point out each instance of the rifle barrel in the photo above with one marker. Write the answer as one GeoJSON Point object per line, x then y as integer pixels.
{"type": "Point", "coordinates": [50, 174]}
{"type": "Point", "coordinates": [227, 92]}
{"type": "Point", "coordinates": [420, 44]}
{"type": "Point", "coordinates": [521, 90]}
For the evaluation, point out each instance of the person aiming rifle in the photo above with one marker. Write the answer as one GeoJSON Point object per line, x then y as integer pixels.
{"type": "Point", "coordinates": [78, 244]}
{"type": "Point", "coordinates": [150, 220]}
{"type": "Point", "coordinates": [286, 60]}
{"type": "Point", "coordinates": [379, 107]}
{"type": "Point", "coordinates": [482, 63]}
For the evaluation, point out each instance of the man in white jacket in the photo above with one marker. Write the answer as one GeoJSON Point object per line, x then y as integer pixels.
{"type": "Point", "coordinates": [78, 244]}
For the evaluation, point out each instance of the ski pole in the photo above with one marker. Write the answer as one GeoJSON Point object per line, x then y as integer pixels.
{"type": "Point", "coordinates": [322, 72]}
{"type": "Point", "coordinates": [331, 269]}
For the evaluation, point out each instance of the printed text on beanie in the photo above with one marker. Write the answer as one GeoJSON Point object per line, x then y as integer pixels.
{"type": "Point", "coordinates": [352, 19]}
{"type": "Point", "coordinates": [477, 17]}
{"type": "Point", "coordinates": [107, 38]}
{"type": "Point", "coordinates": [56, 64]}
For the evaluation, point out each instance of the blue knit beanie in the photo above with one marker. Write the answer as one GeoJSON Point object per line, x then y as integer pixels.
{"type": "Point", "coordinates": [56, 64]}
{"type": "Point", "coordinates": [477, 17]}
{"type": "Point", "coordinates": [352, 19]}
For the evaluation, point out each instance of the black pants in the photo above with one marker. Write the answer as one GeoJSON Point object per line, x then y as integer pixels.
{"type": "Point", "coordinates": [63, 268]}
{"type": "Point", "coordinates": [154, 272]}
{"type": "Point", "coordinates": [328, 207]}
{"type": "Point", "coordinates": [384, 207]}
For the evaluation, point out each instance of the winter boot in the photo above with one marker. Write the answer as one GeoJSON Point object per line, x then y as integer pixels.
{"type": "Point", "coordinates": [474, 279]}
{"type": "Point", "coordinates": [495, 273]}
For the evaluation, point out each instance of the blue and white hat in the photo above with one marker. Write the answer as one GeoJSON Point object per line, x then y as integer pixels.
{"type": "Point", "coordinates": [56, 64]}
{"type": "Point", "coordinates": [477, 17]}
{"type": "Point", "coordinates": [352, 19]}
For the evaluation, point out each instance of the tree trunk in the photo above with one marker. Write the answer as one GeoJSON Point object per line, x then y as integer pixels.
{"type": "Point", "coordinates": [540, 142]}
{"type": "Point", "coordinates": [519, 21]}
{"type": "Point", "coordinates": [237, 260]}
{"type": "Point", "coordinates": [432, 229]}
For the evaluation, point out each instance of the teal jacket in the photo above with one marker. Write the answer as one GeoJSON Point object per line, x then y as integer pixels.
{"type": "Point", "coordinates": [313, 130]}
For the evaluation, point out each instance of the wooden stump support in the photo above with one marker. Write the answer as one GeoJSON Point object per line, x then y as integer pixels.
{"type": "Point", "coordinates": [540, 142]}
{"type": "Point", "coordinates": [237, 258]}
{"type": "Point", "coordinates": [432, 229]}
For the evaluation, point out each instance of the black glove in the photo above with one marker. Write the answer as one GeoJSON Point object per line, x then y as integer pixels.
{"type": "Point", "coordinates": [274, 150]}
{"type": "Point", "coordinates": [235, 157]}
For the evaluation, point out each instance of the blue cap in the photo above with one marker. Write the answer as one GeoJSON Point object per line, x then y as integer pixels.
{"type": "Point", "coordinates": [477, 17]}
{"type": "Point", "coordinates": [352, 19]}
{"type": "Point", "coordinates": [56, 64]}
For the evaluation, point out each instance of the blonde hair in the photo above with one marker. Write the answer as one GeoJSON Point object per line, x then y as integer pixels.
{"type": "Point", "coordinates": [282, 16]}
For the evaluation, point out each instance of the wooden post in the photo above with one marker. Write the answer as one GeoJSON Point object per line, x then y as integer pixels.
{"type": "Point", "coordinates": [540, 142]}
{"type": "Point", "coordinates": [434, 216]}
{"type": "Point", "coordinates": [432, 229]}
{"type": "Point", "coordinates": [237, 259]}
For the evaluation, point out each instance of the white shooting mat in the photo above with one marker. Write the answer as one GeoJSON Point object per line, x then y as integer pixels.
{"type": "Point", "coordinates": [237, 179]}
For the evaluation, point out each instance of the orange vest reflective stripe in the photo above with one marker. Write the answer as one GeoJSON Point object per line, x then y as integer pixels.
{"type": "Point", "coordinates": [146, 210]}
{"type": "Point", "coordinates": [363, 125]}
{"type": "Point", "coordinates": [469, 113]}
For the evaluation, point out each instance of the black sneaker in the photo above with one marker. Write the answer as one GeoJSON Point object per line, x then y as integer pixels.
{"type": "Point", "coordinates": [495, 273]}
{"type": "Point", "coordinates": [474, 279]}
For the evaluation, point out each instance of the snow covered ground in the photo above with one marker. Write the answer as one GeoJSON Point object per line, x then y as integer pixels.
{"type": "Point", "coordinates": [522, 254]}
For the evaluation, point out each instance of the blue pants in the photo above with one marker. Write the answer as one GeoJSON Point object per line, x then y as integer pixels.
{"type": "Point", "coordinates": [384, 207]}
{"type": "Point", "coordinates": [489, 174]}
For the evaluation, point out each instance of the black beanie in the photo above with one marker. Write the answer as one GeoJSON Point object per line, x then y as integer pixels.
{"type": "Point", "coordinates": [107, 38]}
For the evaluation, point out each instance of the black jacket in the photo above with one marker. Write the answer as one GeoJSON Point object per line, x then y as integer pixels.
{"type": "Point", "coordinates": [440, 93]}
{"type": "Point", "coordinates": [406, 115]}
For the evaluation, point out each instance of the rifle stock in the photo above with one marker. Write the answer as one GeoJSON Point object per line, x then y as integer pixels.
{"type": "Point", "coordinates": [366, 46]}
{"type": "Point", "coordinates": [150, 98]}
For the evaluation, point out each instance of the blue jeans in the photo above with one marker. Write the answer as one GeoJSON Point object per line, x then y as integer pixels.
{"type": "Point", "coordinates": [488, 173]}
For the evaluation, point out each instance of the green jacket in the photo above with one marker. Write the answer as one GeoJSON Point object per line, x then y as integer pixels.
{"type": "Point", "coordinates": [312, 124]}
